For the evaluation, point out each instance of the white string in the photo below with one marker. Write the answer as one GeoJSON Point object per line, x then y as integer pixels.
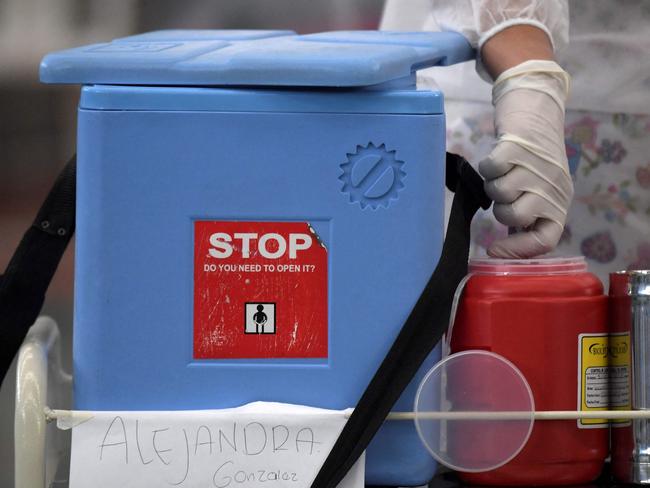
{"type": "Point", "coordinates": [538, 415]}
{"type": "Point", "coordinates": [52, 415]}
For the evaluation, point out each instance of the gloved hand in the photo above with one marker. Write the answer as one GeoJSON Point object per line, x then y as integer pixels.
{"type": "Point", "coordinates": [527, 173]}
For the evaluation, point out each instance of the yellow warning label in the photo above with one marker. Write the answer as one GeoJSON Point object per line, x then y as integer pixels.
{"type": "Point", "coordinates": [593, 374]}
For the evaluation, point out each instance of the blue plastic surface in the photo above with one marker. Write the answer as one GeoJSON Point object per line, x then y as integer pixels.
{"type": "Point", "coordinates": [144, 177]}
{"type": "Point", "coordinates": [111, 97]}
{"type": "Point", "coordinates": [206, 35]}
{"type": "Point", "coordinates": [152, 160]}
{"type": "Point", "coordinates": [262, 58]}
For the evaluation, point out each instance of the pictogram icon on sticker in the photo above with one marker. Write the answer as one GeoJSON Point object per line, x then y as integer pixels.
{"type": "Point", "coordinates": [259, 318]}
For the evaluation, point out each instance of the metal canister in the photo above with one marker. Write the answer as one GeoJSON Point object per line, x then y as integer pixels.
{"type": "Point", "coordinates": [630, 383]}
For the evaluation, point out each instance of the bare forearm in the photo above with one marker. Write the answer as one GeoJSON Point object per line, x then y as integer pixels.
{"type": "Point", "coordinates": [513, 46]}
{"type": "Point", "coordinates": [527, 173]}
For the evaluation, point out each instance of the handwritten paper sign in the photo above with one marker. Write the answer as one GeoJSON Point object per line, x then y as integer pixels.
{"type": "Point", "coordinates": [265, 445]}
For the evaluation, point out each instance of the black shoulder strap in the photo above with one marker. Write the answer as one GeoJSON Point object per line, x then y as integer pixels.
{"type": "Point", "coordinates": [28, 274]}
{"type": "Point", "coordinates": [421, 332]}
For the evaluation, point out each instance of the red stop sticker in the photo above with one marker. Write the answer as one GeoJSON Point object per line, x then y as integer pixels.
{"type": "Point", "coordinates": [260, 290]}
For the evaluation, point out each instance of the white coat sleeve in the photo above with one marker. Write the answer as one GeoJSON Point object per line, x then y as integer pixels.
{"type": "Point", "coordinates": [479, 20]}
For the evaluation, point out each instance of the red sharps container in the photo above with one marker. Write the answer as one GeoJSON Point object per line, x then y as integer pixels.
{"type": "Point", "coordinates": [548, 317]}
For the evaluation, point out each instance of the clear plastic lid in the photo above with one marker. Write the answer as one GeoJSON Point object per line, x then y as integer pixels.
{"type": "Point", "coordinates": [538, 266]}
{"type": "Point", "coordinates": [474, 411]}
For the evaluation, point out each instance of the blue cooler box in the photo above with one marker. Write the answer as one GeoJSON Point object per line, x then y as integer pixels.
{"type": "Point", "coordinates": [257, 213]}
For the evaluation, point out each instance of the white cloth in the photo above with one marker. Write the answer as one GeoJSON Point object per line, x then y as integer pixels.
{"type": "Point", "coordinates": [607, 56]}
{"type": "Point", "coordinates": [258, 445]}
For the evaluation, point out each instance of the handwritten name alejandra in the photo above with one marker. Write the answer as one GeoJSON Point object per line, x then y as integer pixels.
{"type": "Point", "coordinates": [129, 442]}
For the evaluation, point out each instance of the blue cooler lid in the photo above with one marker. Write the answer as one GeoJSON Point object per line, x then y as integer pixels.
{"type": "Point", "coordinates": [256, 58]}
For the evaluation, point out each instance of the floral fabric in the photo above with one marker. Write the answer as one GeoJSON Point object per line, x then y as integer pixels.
{"type": "Point", "coordinates": [609, 158]}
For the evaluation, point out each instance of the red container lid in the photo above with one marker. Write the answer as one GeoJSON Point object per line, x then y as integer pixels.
{"type": "Point", "coordinates": [536, 267]}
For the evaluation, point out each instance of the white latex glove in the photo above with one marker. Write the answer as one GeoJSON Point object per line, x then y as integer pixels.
{"type": "Point", "coordinates": [527, 173]}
